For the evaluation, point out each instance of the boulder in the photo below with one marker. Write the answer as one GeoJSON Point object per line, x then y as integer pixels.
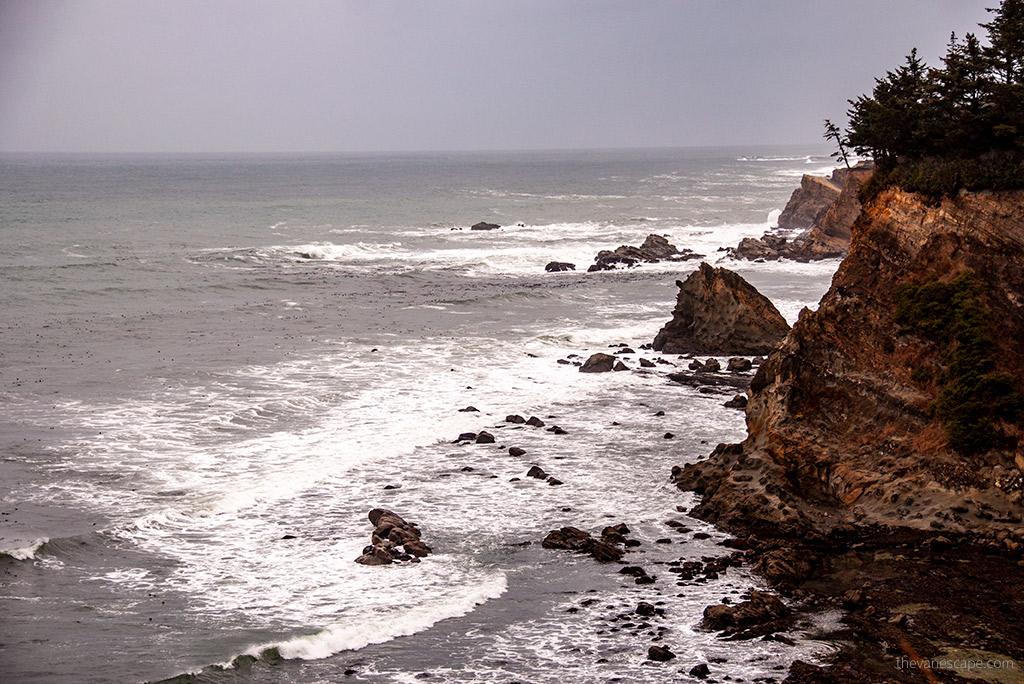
{"type": "Point", "coordinates": [711, 366]}
{"type": "Point", "coordinates": [719, 312]}
{"type": "Point", "coordinates": [485, 437]}
{"type": "Point", "coordinates": [557, 266]}
{"type": "Point", "coordinates": [516, 451]}
{"type": "Point", "coordinates": [483, 225]}
{"type": "Point", "coordinates": [575, 539]}
{"type": "Point", "coordinates": [760, 608]}
{"type": "Point", "coordinates": [599, 363]}
{"type": "Point", "coordinates": [534, 421]}
{"type": "Point", "coordinates": [660, 654]}
{"type": "Point", "coordinates": [737, 402]}
{"type": "Point", "coordinates": [393, 539]}
{"type": "Point", "coordinates": [514, 419]}
{"type": "Point", "coordinates": [739, 365]}
{"type": "Point", "coordinates": [537, 472]}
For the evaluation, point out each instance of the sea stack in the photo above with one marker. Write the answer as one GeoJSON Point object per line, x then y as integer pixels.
{"type": "Point", "coordinates": [718, 312]}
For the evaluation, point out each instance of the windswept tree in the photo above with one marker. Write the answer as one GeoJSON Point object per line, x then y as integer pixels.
{"type": "Point", "coordinates": [833, 133]}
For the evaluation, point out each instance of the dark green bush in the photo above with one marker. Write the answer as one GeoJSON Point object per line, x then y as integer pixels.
{"type": "Point", "coordinates": [973, 399]}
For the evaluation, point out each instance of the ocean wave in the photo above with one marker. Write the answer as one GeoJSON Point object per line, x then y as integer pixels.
{"type": "Point", "coordinates": [388, 624]}
{"type": "Point", "coordinates": [20, 550]}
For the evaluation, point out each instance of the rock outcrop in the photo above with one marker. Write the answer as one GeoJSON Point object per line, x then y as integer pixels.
{"type": "Point", "coordinates": [483, 225]}
{"type": "Point", "coordinates": [850, 421]}
{"type": "Point", "coordinates": [654, 249]}
{"type": "Point", "coordinates": [809, 201]}
{"type": "Point", "coordinates": [825, 208]}
{"type": "Point", "coordinates": [718, 312]}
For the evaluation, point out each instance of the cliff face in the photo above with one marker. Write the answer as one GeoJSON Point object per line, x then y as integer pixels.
{"type": "Point", "coordinates": [825, 208]}
{"type": "Point", "coordinates": [841, 426]}
{"type": "Point", "coordinates": [718, 312]}
{"type": "Point", "coordinates": [808, 202]}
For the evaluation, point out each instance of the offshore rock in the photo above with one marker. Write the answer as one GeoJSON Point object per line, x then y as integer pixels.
{"type": "Point", "coordinates": [556, 266]}
{"type": "Point", "coordinates": [718, 312]}
{"type": "Point", "coordinates": [393, 539]}
{"type": "Point", "coordinates": [654, 249]}
{"type": "Point", "coordinates": [575, 539]}
{"type": "Point", "coordinates": [841, 433]}
{"type": "Point", "coordinates": [483, 225]}
{"type": "Point", "coordinates": [599, 363]}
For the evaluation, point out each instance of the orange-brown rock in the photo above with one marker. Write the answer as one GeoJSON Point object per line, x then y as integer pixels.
{"type": "Point", "coordinates": [825, 208]}
{"type": "Point", "coordinates": [809, 201]}
{"type": "Point", "coordinates": [718, 312]}
{"type": "Point", "coordinates": [839, 432]}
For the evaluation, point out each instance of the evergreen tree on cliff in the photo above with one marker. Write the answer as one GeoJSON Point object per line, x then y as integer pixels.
{"type": "Point", "coordinates": [936, 130]}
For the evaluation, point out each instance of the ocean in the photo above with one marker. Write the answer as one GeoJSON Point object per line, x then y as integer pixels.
{"type": "Point", "coordinates": [213, 367]}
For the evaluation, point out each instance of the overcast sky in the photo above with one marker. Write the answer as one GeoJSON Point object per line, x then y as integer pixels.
{"type": "Point", "coordinates": [303, 75]}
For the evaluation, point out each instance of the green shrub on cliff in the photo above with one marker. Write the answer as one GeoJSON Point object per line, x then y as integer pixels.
{"type": "Point", "coordinates": [960, 126]}
{"type": "Point", "coordinates": [974, 400]}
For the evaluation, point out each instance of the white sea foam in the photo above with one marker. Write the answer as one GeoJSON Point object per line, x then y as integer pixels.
{"type": "Point", "coordinates": [389, 622]}
{"type": "Point", "coordinates": [20, 549]}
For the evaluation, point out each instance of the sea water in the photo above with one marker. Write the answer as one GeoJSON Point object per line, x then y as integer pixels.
{"type": "Point", "coordinates": [212, 368]}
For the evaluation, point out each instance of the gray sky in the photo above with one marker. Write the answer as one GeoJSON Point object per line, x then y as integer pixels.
{"type": "Point", "coordinates": [303, 75]}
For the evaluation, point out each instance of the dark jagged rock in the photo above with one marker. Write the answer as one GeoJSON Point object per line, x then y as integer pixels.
{"type": "Point", "coordinates": [557, 266]}
{"type": "Point", "coordinates": [739, 365]}
{"type": "Point", "coordinates": [483, 225]}
{"type": "Point", "coordinates": [515, 419]}
{"type": "Point", "coordinates": [599, 363]}
{"type": "Point", "coordinates": [719, 312]}
{"type": "Point", "coordinates": [537, 472]}
{"type": "Point", "coordinates": [484, 437]}
{"type": "Point", "coordinates": [737, 402]}
{"type": "Point", "coordinates": [534, 421]}
{"type": "Point", "coordinates": [759, 609]}
{"type": "Point", "coordinates": [392, 540]}
{"type": "Point", "coordinates": [575, 539]}
{"type": "Point", "coordinates": [644, 363]}
{"type": "Point", "coordinates": [655, 248]}
{"type": "Point", "coordinates": [516, 451]}
{"type": "Point", "coordinates": [466, 437]}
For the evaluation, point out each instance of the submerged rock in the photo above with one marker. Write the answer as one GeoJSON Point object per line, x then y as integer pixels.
{"type": "Point", "coordinates": [557, 266]}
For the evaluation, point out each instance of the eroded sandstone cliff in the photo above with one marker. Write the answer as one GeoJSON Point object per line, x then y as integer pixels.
{"type": "Point", "coordinates": [842, 421]}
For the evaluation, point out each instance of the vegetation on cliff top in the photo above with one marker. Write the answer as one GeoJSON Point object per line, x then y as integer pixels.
{"type": "Point", "coordinates": [975, 403]}
{"type": "Point", "coordinates": [937, 130]}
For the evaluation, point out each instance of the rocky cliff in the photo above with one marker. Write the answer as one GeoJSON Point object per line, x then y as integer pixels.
{"type": "Point", "coordinates": [825, 207]}
{"type": "Point", "coordinates": [815, 195]}
{"type": "Point", "coordinates": [718, 312]}
{"type": "Point", "coordinates": [857, 418]}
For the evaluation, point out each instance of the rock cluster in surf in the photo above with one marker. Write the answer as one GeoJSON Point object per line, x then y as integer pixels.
{"type": "Point", "coordinates": [392, 540]}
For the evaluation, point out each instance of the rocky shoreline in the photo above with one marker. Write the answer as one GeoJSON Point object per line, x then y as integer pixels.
{"type": "Point", "coordinates": [849, 491]}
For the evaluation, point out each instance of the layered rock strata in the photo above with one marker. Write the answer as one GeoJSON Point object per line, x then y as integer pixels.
{"type": "Point", "coordinates": [824, 208]}
{"type": "Point", "coordinates": [844, 424]}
